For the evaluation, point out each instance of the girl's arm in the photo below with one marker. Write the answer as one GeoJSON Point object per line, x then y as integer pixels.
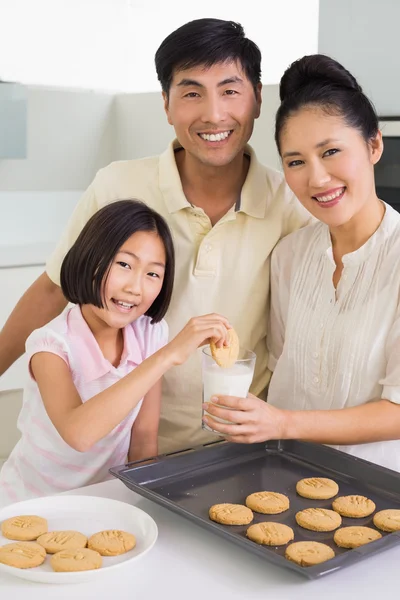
{"type": "Point", "coordinates": [144, 431]}
{"type": "Point", "coordinates": [257, 421]}
{"type": "Point", "coordinates": [80, 424]}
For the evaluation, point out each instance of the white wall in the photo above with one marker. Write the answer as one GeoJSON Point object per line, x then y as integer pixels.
{"type": "Point", "coordinates": [110, 44]}
{"type": "Point", "coordinates": [364, 36]}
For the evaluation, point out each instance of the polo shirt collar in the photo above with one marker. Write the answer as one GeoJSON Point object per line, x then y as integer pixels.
{"type": "Point", "coordinates": [88, 352]}
{"type": "Point", "coordinates": [253, 195]}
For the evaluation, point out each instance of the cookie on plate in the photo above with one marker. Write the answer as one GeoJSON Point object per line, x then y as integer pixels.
{"type": "Point", "coordinates": [353, 537]}
{"type": "Point", "coordinates": [353, 506]}
{"type": "Point", "coordinates": [318, 519]}
{"type": "Point", "coordinates": [112, 542]}
{"type": "Point", "coordinates": [387, 520]}
{"type": "Point", "coordinates": [307, 554]}
{"type": "Point", "coordinates": [226, 356]}
{"type": "Point", "coordinates": [82, 559]}
{"type": "Point", "coordinates": [268, 503]}
{"type": "Point", "coordinates": [231, 514]}
{"type": "Point", "coordinates": [270, 534]}
{"type": "Point", "coordinates": [23, 555]}
{"type": "Point", "coordinates": [317, 488]}
{"type": "Point", "coordinates": [55, 541]}
{"type": "Point", "coordinates": [24, 528]}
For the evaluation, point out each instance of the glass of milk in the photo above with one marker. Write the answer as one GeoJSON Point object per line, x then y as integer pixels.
{"type": "Point", "coordinates": [232, 381]}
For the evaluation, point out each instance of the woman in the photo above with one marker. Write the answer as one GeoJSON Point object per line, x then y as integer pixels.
{"type": "Point", "coordinates": [335, 309]}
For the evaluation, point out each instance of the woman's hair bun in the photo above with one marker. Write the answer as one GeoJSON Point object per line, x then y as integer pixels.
{"type": "Point", "coordinates": [312, 69]}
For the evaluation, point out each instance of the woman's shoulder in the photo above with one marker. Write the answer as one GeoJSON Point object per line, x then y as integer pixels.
{"type": "Point", "coordinates": [297, 241]}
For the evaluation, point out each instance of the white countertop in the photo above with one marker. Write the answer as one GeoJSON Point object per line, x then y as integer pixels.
{"type": "Point", "coordinates": [190, 563]}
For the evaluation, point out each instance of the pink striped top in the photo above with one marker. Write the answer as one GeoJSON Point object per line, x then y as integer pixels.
{"type": "Point", "coordinates": [42, 463]}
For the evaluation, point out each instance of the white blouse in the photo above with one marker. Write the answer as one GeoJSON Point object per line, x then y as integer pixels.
{"type": "Point", "coordinates": [332, 349]}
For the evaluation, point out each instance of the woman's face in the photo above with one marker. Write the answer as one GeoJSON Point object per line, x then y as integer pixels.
{"type": "Point", "coordinates": [328, 165]}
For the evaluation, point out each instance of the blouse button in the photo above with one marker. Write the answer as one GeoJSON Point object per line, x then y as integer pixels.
{"type": "Point", "coordinates": [315, 354]}
{"type": "Point", "coordinates": [316, 380]}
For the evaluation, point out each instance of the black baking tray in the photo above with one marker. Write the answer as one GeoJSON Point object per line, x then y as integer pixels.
{"type": "Point", "coordinates": [190, 481]}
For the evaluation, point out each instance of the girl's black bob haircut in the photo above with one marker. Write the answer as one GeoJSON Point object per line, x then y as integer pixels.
{"type": "Point", "coordinates": [87, 264]}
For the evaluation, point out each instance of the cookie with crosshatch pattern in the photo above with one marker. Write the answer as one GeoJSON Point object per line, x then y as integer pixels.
{"type": "Point", "coordinates": [270, 534]}
{"type": "Point", "coordinates": [268, 503]}
{"type": "Point", "coordinates": [226, 356]}
{"type": "Point", "coordinates": [317, 488]}
{"type": "Point", "coordinates": [24, 528]}
{"type": "Point", "coordinates": [231, 514]}
{"type": "Point", "coordinates": [353, 506]}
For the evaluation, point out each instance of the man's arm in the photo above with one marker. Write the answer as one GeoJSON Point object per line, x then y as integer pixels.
{"type": "Point", "coordinates": [41, 303]}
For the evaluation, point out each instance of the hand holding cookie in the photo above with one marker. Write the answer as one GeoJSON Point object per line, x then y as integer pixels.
{"type": "Point", "coordinates": [197, 332]}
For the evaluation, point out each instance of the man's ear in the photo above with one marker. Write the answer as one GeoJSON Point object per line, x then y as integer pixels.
{"type": "Point", "coordinates": [258, 92]}
{"type": "Point", "coordinates": [166, 107]}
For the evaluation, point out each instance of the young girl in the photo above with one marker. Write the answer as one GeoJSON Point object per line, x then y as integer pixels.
{"type": "Point", "coordinates": [93, 399]}
{"type": "Point", "coordinates": [335, 319]}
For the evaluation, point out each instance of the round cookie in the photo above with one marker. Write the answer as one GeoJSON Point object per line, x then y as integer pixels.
{"type": "Point", "coordinates": [226, 356]}
{"type": "Point", "coordinates": [231, 514]}
{"type": "Point", "coordinates": [24, 528]}
{"type": "Point", "coordinates": [267, 503]}
{"type": "Point", "coordinates": [112, 542]}
{"type": "Point", "coordinates": [353, 506]}
{"type": "Point", "coordinates": [307, 554]}
{"type": "Point", "coordinates": [317, 488]}
{"type": "Point", "coordinates": [387, 520]}
{"type": "Point", "coordinates": [55, 541]}
{"type": "Point", "coordinates": [23, 555]}
{"type": "Point", "coordinates": [353, 537]}
{"type": "Point", "coordinates": [82, 559]}
{"type": "Point", "coordinates": [270, 534]}
{"type": "Point", "coordinates": [318, 519]}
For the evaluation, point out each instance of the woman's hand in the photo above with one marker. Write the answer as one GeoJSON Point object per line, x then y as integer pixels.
{"type": "Point", "coordinates": [253, 420]}
{"type": "Point", "coordinates": [197, 332]}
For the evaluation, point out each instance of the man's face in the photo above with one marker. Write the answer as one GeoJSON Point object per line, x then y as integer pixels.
{"type": "Point", "coordinates": [213, 111]}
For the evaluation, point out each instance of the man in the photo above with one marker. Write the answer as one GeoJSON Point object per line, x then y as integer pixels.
{"type": "Point", "coordinates": [225, 210]}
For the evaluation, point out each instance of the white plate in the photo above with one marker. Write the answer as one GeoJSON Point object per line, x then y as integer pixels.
{"type": "Point", "coordinates": [88, 515]}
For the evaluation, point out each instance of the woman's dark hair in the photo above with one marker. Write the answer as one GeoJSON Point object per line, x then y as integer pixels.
{"type": "Point", "coordinates": [320, 81]}
{"type": "Point", "coordinates": [207, 42]}
{"type": "Point", "coordinates": [89, 260]}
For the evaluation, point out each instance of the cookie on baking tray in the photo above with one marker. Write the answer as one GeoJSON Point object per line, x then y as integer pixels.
{"type": "Point", "coordinates": [353, 506]}
{"type": "Point", "coordinates": [353, 537]}
{"type": "Point", "coordinates": [231, 514]}
{"type": "Point", "coordinates": [268, 503]}
{"type": "Point", "coordinates": [307, 554]}
{"type": "Point", "coordinates": [317, 488]}
{"type": "Point", "coordinates": [226, 356]}
{"type": "Point", "coordinates": [387, 520]}
{"type": "Point", "coordinates": [270, 534]}
{"type": "Point", "coordinates": [318, 519]}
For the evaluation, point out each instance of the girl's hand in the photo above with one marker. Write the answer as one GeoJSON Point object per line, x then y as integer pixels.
{"type": "Point", "coordinates": [253, 420]}
{"type": "Point", "coordinates": [197, 332]}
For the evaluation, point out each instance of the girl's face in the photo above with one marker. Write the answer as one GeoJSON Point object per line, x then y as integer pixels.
{"type": "Point", "coordinates": [329, 165]}
{"type": "Point", "coordinates": [135, 279]}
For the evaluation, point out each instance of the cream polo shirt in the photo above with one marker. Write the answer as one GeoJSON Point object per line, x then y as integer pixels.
{"type": "Point", "coordinates": [222, 269]}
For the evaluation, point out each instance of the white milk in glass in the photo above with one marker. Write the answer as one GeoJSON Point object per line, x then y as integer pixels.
{"type": "Point", "coordinates": [234, 381]}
